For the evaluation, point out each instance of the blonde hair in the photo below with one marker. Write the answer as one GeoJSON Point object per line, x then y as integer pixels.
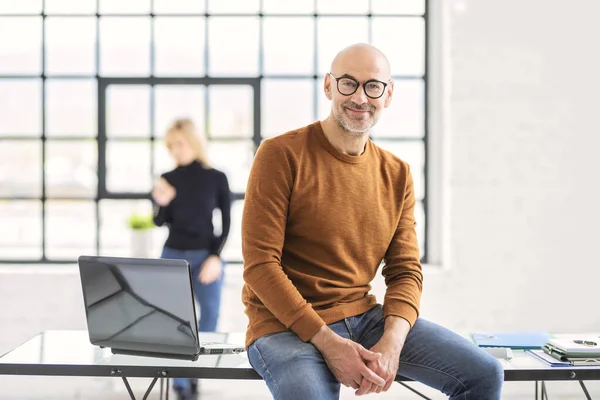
{"type": "Point", "coordinates": [186, 128]}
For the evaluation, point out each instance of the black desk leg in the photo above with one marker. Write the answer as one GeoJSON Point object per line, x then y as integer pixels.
{"type": "Point", "coordinates": [544, 393]}
{"type": "Point", "coordinates": [415, 391]}
{"type": "Point", "coordinates": [587, 394]}
{"type": "Point", "coordinates": [131, 391]}
{"type": "Point", "coordinates": [536, 390]}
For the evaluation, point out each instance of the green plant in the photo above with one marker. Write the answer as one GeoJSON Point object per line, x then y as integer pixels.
{"type": "Point", "coordinates": [141, 222]}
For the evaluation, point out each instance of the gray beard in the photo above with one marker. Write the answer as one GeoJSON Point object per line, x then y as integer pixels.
{"type": "Point", "coordinates": [353, 132]}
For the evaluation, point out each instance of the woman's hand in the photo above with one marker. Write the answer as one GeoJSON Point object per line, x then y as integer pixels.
{"type": "Point", "coordinates": [211, 270]}
{"type": "Point", "coordinates": [163, 192]}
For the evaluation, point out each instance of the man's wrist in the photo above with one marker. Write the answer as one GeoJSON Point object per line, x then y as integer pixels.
{"type": "Point", "coordinates": [396, 328]}
{"type": "Point", "coordinates": [323, 336]}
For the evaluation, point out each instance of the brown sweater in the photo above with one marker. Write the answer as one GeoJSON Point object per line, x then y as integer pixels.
{"type": "Point", "coordinates": [316, 225]}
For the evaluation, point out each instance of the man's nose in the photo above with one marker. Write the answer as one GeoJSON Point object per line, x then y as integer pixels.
{"type": "Point", "coordinates": [359, 97]}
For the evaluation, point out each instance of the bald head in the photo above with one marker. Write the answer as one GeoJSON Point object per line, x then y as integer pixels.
{"type": "Point", "coordinates": [363, 58]}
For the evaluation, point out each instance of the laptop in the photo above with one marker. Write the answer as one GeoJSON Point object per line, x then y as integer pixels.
{"type": "Point", "coordinates": [143, 307]}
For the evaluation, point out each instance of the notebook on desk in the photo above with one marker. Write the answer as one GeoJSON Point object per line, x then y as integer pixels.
{"type": "Point", "coordinates": [512, 340]}
{"type": "Point", "coordinates": [552, 361]}
{"type": "Point", "coordinates": [569, 349]}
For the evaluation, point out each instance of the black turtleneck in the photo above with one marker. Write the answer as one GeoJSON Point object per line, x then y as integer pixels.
{"type": "Point", "coordinates": [189, 215]}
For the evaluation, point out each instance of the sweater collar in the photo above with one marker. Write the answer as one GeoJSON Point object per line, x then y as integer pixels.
{"type": "Point", "coordinates": [317, 128]}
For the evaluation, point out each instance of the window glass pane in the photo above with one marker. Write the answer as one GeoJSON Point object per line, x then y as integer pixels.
{"type": "Point", "coordinates": [124, 46]}
{"type": "Point", "coordinates": [416, 7]}
{"type": "Point", "coordinates": [288, 7]}
{"type": "Point", "coordinates": [71, 45]}
{"type": "Point", "coordinates": [20, 168]}
{"type": "Point", "coordinates": [115, 235]}
{"type": "Point", "coordinates": [22, 56]}
{"type": "Point", "coordinates": [128, 166]}
{"type": "Point", "coordinates": [21, 107]}
{"type": "Point", "coordinates": [231, 110]}
{"type": "Point", "coordinates": [20, 230]}
{"type": "Point", "coordinates": [414, 154]}
{"type": "Point", "coordinates": [231, 53]}
{"type": "Point", "coordinates": [406, 115]}
{"type": "Point", "coordinates": [233, 246]}
{"type": "Point", "coordinates": [71, 107]}
{"type": "Point", "coordinates": [406, 52]}
{"type": "Point", "coordinates": [163, 161]}
{"type": "Point", "coordinates": [125, 7]}
{"type": "Point", "coordinates": [128, 110]}
{"type": "Point", "coordinates": [179, 46]}
{"type": "Point", "coordinates": [296, 33]}
{"type": "Point", "coordinates": [233, 6]}
{"type": "Point", "coordinates": [178, 101]}
{"type": "Point", "coordinates": [286, 105]}
{"type": "Point", "coordinates": [343, 6]}
{"type": "Point", "coordinates": [331, 41]}
{"type": "Point", "coordinates": [234, 158]}
{"type": "Point", "coordinates": [178, 6]}
{"type": "Point", "coordinates": [71, 168]}
{"type": "Point", "coordinates": [20, 7]}
{"type": "Point", "coordinates": [70, 6]}
{"type": "Point", "coordinates": [70, 229]}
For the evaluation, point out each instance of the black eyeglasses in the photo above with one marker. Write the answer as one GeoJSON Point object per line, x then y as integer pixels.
{"type": "Point", "coordinates": [586, 342]}
{"type": "Point", "coordinates": [347, 86]}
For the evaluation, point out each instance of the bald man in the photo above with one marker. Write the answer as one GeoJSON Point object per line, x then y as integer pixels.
{"type": "Point", "coordinates": [324, 207]}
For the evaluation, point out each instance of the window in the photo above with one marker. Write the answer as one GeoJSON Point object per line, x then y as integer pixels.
{"type": "Point", "coordinates": [88, 87]}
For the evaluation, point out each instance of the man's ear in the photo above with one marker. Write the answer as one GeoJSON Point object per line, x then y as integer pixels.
{"type": "Point", "coordinates": [389, 92]}
{"type": "Point", "coordinates": [327, 87]}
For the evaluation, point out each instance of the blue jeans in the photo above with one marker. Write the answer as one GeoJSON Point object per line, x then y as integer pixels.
{"type": "Point", "coordinates": [433, 355]}
{"type": "Point", "coordinates": [207, 296]}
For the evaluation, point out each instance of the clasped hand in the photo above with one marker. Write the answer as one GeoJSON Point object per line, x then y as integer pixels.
{"type": "Point", "coordinates": [386, 366]}
{"type": "Point", "coordinates": [367, 371]}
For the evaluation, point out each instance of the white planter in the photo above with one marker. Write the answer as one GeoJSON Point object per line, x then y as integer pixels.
{"type": "Point", "coordinates": [141, 243]}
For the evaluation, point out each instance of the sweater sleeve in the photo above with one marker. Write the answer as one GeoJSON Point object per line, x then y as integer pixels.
{"type": "Point", "coordinates": [263, 230]}
{"type": "Point", "coordinates": [402, 270]}
{"type": "Point", "coordinates": [224, 204]}
{"type": "Point", "coordinates": [160, 215]}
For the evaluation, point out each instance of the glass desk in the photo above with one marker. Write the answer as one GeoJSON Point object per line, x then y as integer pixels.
{"type": "Point", "coordinates": [69, 353]}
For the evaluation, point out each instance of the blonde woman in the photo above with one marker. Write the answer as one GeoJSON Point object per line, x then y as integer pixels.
{"type": "Point", "coordinates": [185, 199]}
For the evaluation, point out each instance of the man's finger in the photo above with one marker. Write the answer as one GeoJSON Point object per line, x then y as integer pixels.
{"type": "Point", "coordinates": [388, 385]}
{"type": "Point", "coordinates": [365, 387]}
{"type": "Point", "coordinates": [355, 385]}
{"type": "Point", "coordinates": [368, 355]}
{"type": "Point", "coordinates": [372, 376]}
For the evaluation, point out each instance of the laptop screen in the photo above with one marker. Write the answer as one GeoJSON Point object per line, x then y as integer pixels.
{"type": "Point", "coordinates": [143, 305]}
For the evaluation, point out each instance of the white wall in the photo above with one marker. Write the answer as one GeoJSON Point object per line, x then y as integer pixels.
{"type": "Point", "coordinates": [523, 187]}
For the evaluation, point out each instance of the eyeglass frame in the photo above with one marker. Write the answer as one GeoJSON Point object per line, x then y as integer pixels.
{"type": "Point", "coordinates": [358, 84]}
{"type": "Point", "coordinates": [587, 343]}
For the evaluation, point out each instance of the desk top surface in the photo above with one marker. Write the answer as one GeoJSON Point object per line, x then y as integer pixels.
{"type": "Point", "coordinates": [70, 353]}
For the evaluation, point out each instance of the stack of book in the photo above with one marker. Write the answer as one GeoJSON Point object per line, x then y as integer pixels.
{"type": "Point", "coordinates": [570, 350]}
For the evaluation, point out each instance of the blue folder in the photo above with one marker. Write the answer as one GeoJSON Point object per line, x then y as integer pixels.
{"type": "Point", "coordinates": [513, 340]}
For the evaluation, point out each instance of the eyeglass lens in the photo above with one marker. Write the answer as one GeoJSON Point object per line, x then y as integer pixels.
{"type": "Point", "coordinates": [348, 86]}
